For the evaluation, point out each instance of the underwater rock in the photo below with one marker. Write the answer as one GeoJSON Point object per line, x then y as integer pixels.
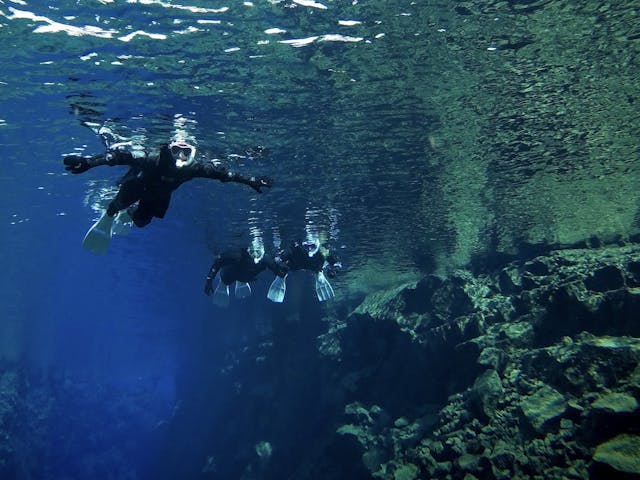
{"type": "Point", "coordinates": [616, 403]}
{"type": "Point", "coordinates": [469, 462]}
{"type": "Point", "coordinates": [604, 279]}
{"type": "Point", "coordinates": [451, 299]}
{"type": "Point", "coordinates": [519, 333]}
{"type": "Point", "coordinates": [487, 392]}
{"type": "Point", "coordinates": [374, 458]}
{"type": "Point", "coordinates": [621, 453]}
{"type": "Point", "coordinates": [492, 357]}
{"type": "Point", "coordinates": [384, 304]}
{"type": "Point", "coordinates": [608, 415]}
{"type": "Point", "coordinates": [544, 405]}
{"type": "Point", "coordinates": [503, 459]}
{"type": "Point", "coordinates": [533, 358]}
{"type": "Point", "coordinates": [509, 281]}
{"type": "Point", "coordinates": [584, 364]}
{"type": "Point", "coordinates": [408, 471]}
{"type": "Point", "coordinates": [537, 267]}
{"type": "Point", "coordinates": [418, 300]}
{"type": "Point", "coordinates": [329, 345]}
{"type": "Point", "coordinates": [475, 376]}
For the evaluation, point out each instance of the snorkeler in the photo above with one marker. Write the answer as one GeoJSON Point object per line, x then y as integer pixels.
{"type": "Point", "coordinates": [239, 265]}
{"type": "Point", "coordinates": [150, 181]}
{"type": "Point", "coordinates": [307, 255]}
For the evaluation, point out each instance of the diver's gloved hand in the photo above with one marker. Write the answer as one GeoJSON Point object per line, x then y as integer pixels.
{"type": "Point", "coordinates": [260, 182]}
{"type": "Point", "coordinates": [76, 164]}
{"type": "Point", "coordinates": [208, 286]}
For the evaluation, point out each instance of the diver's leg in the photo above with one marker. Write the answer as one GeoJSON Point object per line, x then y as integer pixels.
{"type": "Point", "coordinates": [98, 237]}
{"type": "Point", "coordinates": [150, 205]}
{"type": "Point", "coordinates": [129, 193]}
{"type": "Point", "coordinates": [160, 204]}
{"type": "Point", "coordinates": [142, 214]}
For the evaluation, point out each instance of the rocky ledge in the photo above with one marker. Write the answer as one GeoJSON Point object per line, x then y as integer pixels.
{"type": "Point", "coordinates": [530, 371]}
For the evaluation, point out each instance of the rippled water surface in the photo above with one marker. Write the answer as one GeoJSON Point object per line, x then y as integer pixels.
{"type": "Point", "coordinates": [410, 134]}
{"type": "Point", "coordinates": [329, 89]}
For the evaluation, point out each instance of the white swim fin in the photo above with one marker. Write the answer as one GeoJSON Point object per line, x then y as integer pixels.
{"type": "Point", "coordinates": [243, 290]}
{"type": "Point", "coordinates": [98, 237]}
{"type": "Point", "coordinates": [221, 295]}
{"type": "Point", "coordinates": [324, 290]}
{"type": "Point", "coordinates": [122, 223]}
{"type": "Point", "coordinates": [277, 289]}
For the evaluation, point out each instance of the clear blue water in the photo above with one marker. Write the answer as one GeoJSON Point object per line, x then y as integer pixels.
{"type": "Point", "coordinates": [116, 346]}
{"type": "Point", "coordinates": [352, 100]}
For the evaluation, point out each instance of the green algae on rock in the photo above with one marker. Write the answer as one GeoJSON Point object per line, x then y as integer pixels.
{"type": "Point", "coordinates": [617, 403]}
{"type": "Point", "coordinates": [621, 453]}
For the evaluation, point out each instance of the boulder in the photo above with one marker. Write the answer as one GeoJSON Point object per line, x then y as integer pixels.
{"type": "Point", "coordinates": [621, 453]}
{"type": "Point", "coordinates": [487, 392]}
{"type": "Point", "coordinates": [541, 407]}
{"type": "Point", "coordinates": [616, 403]}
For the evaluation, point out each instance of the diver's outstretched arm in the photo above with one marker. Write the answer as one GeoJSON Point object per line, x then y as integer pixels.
{"type": "Point", "coordinates": [218, 172]}
{"type": "Point", "coordinates": [80, 163]}
{"type": "Point", "coordinates": [213, 271]}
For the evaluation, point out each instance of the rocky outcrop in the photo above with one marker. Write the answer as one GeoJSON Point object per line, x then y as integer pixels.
{"type": "Point", "coordinates": [531, 371]}
{"type": "Point", "coordinates": [622, 453]}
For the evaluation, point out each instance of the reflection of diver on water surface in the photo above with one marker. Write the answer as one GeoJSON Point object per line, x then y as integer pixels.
{"type": "Point", "coordinates": [150, 182]}
{"type": "Point", "coordinates": [310, 256]}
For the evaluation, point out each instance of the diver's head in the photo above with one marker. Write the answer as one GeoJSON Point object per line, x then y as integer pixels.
{"type": "Point", "coordinates": [311, 246]}
{"type": "Point", "coordinates": [256, 250]}
{"type": "Point", "coordinates": [183, 153]}
{"type": "Point", "coordinates": [332, 266]}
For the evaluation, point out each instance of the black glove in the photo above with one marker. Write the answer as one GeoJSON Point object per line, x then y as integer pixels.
{"type": "Point", "coordinates": [260, 182]}
{"type": "Point", "coordinates": [208, 286]}
{"type": "Point", "coordinates": [76, 164]}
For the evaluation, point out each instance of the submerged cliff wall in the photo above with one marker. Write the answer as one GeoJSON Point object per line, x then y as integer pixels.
{"type": "Point", "coordinates": [526, 371]}
{"type": "Point", "coordinates": [530, 371]}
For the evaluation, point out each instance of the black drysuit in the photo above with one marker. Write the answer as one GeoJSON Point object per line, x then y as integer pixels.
{"type": "Point", "coordinates": [151, 180]}
{"type": "Point", "coordinates": [237, 265]}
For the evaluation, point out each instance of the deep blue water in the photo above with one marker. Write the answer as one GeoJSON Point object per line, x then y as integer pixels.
{"type": "Point", "coordinates": [118, 366]}
{"type": "Point", "coordinates": [125, 368]}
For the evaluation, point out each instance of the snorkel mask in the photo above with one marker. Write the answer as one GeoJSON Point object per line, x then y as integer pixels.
{"type": "Point", "coordinates": [256, 250]}
{"type": "Point", "coordinates": [332, 266]}
{"type": "Point", "coordinates": [311, 246]}
{"type": "Point", "coordinates": [183, 153]}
